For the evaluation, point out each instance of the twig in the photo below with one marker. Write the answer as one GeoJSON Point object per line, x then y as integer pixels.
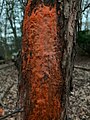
{"type": "Point", "coordinates": [4, 94]}
{"type": "Point", "coordinates": [12, 113]}
{"type": "Point", "coordinates": [82, 68]}
{"type": "Point", "coordinates": [86, 7]}
{"type": "Point", "coordinates": [1, 7]}
{"type": "Point", "coordinates": [6, 66]}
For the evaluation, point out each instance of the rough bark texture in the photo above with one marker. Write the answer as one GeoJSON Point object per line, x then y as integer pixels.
{"type": "Point", "coordinates": [71, 8]}
{"type": "Point", "coordinates": [47, 46]}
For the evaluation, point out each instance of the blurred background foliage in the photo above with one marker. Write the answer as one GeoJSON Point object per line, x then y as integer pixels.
{"type": "Point", "coordinates": [83, 32]}
{"type": "Point", "coordinates": [11, 16]}
{"type": "Point", "coordinates": [84, 40]}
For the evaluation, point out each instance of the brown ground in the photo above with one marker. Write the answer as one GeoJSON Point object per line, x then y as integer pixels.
{"type": "Point", "coordinates": [79, 108]}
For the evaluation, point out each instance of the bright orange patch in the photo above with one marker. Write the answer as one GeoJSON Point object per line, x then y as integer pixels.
{"type": "Point", "coordinates": [1, 112]}
{"type": "Point", "coordinates": [41, 65]}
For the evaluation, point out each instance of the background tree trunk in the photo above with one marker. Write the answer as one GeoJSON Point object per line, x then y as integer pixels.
{"type": "Point", "coordinates": [49, 33]}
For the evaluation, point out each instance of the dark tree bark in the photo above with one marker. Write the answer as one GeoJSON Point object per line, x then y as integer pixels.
{"type": "Point", "coordinates": [49, 34]}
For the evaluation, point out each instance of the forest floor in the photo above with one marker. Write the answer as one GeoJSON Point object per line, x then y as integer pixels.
{"type": "Point", "coordinates": [79, 100]}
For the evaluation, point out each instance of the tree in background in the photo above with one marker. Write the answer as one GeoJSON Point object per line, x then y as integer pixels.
{"type": "Point", "coordinates": [11, 15]}
{"type": "Point", "coordinates": [49, 36]}
{"type": "Point", "coordinates": [83, 22]}
{"type": "Point", "coordinates": [83, 39]}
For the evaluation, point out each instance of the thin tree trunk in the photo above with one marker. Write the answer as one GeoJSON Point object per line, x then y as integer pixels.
{"type": "Point", "coordinates": [47, 58]}
{"type": "Point", "coordinates": [71, 9]}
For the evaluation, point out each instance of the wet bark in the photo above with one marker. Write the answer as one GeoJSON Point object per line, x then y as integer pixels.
{"type": "Point", "coordinates": [49, 33]}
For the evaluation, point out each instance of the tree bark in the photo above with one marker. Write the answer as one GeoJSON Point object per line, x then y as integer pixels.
{"type": "Point", "coordinates": [49, 33]}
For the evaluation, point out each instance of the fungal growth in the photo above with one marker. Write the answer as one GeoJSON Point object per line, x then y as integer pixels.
{"type": "Point", "coordinates": [42, 80]}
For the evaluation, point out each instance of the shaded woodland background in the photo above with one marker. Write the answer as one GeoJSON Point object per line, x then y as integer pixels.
{"type": "Point", "coordinates": [11, 17]}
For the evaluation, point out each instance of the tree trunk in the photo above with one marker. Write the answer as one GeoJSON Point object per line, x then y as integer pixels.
{"type": "Point", "coordinates": [47, 58]}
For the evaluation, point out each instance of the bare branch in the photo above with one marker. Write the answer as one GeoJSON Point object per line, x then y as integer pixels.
{"type": "Point", "coordinates": [82, 68]}
{"type": "Point", "coordinates": [1, 7]}
{"type": "Point", "coordinates": [12, 113]}
{"type": "Point", "coordinates": [5, 66]}
{"type": "Point", "coordinates": [3, 95]}
{"type": "Point", "coordinates": [86, 7]}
